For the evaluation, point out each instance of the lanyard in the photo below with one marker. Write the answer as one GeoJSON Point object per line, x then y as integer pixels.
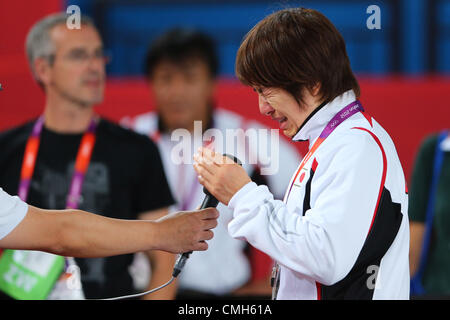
{"type": "Point", "coordinates": [186, 197]}
{"type": "Point", "coordinates": [81, 163]}
{"type": "Point", "coordinates": [340, 117]}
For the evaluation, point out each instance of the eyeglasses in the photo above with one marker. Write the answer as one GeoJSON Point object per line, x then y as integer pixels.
{"type": "Point", "coordinates": [81, 56]}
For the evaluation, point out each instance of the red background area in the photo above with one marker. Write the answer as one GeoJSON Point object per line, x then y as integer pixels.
{"type": "Point", "coordinates": [408, 108]}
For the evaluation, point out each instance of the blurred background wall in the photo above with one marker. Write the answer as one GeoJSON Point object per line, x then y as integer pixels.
{"type": "Point", "coordinates": [403, 68]}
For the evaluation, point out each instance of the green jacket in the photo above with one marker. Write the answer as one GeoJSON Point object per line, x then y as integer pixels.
{"type": "Point", "coordinates": [436, 279]}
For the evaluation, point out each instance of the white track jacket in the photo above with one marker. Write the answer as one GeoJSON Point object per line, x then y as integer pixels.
{"type": "Point", "coordinates": [343, 231]}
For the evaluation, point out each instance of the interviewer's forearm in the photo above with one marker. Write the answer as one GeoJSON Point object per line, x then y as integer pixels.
{"type": "Point", "coordinates": [80, 234]}
{"type": "Point", "coordinates": [89, 235]}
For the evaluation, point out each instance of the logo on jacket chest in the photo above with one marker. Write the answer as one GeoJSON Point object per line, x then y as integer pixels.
{"type": "Point", "coordinates": [302, 177]}
{"type": "Point", "coordinates": [305, 174]}
{"type": "Point", "coordinates": [300, 186]}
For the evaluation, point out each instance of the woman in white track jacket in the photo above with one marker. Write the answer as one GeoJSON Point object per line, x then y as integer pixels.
{"type": "Point", "coordinates": [342, 230]}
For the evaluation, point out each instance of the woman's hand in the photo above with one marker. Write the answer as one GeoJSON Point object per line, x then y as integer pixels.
{"type": "Point", "coordinates": [219, 174]}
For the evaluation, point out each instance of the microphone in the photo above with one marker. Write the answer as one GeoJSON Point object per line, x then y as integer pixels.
{"type": "Point", "coordinates": [208, 202]}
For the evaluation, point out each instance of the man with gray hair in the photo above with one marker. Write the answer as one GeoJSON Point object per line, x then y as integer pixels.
{"type": "Point", "coordinates": [39, 42]}
{"type": "Point", "coordinates": [70, 157]}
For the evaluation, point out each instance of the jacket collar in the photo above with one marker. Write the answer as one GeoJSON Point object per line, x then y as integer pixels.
{"type": "Point", "coordinates": [314, 124]}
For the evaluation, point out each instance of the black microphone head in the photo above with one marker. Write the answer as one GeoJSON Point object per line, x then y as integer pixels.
{"type": "Point", "coordinates": [233, 158]}
{"type": "Point", "coordinates": [205, 191]}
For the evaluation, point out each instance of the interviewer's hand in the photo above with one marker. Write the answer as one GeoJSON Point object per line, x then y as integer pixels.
{"type": "Point", "coordinates": [186, 230]}
{"type": "Point", "coordinates": [220, 175]}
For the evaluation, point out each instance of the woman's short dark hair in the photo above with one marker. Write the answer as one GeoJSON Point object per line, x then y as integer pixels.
{"type": "Point", "coordinates": [293, 49]}
{"type": "Point", "coordinates": [180, 44]}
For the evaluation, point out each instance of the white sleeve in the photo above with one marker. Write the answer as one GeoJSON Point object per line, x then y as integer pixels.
{"type": "Point", "coordinates": [12, 212]}
{"type": "Point", "coordinates": [325, 243]}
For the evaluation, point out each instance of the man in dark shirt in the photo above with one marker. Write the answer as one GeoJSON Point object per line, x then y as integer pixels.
{"type": "Point", "coordinates": [122, 176]}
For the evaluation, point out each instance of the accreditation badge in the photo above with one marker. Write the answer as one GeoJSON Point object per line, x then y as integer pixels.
{"type": "Point", "coordinates": [29, 275]}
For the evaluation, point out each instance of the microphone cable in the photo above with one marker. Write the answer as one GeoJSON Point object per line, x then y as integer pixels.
{"type": "Point", "coordinates": [137, 295]}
